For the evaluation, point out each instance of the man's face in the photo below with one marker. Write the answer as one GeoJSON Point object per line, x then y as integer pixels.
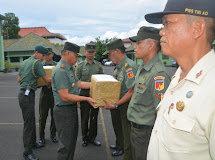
{"type": "Point", "coordinates": [141, 49]}
{"type": "Point", "coordinates": [112, 56]}
{"type": "Point", "coordinates": [73, 57]}
{"type": "Point", "coordinates": [40, 56]}
{"type": "Point", "coordinates": [48, 57]}
{"type": "Point", "coordinates": [90, 54]}
{"type": "Point", "coordinates": [176, 35]}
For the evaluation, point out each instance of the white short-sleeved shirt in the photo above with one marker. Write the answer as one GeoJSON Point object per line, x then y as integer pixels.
{"type": "Point", "coordinates": [187, 133]}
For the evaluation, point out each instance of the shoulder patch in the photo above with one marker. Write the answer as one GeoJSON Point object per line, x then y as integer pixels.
{"type": "Point", "coordinates": [62, 65]}
{"type": "Point", "coordinates": [130, 74]}
{"type": "Point", "coordinates": [62, 70]}
{"type": "Point", "coordinates": [159, 83]}
{"type": "Point", "coordinates": [130, 69]}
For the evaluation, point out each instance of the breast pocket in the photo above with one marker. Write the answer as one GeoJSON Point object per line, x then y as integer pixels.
{"type": "Point", "coordinates": [176, 128]}
{"type": "Point", "coordinates": [142, 95]}
{"type": "Point", "coordinates": [85, 73]}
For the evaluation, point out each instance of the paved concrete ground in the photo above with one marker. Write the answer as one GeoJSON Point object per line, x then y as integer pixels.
{"type": "Point", "coordinates": [11, 125]}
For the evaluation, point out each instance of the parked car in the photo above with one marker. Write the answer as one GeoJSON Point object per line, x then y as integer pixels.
{"type": "Point", "coordinates": [109, 63]}
{"type": "Point", "coordinates": [105, 60]}
{"type": "Point", "coordinates": [173, 63]}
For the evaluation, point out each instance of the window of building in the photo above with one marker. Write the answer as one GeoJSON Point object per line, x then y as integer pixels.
{"type": "Point", "coordinates": [14, 59]}
{"type": "Point", "coordinates": [25, 57]}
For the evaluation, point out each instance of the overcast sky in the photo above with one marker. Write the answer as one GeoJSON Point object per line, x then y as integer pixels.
{"type": "Point", "coordinates": [82, 21]}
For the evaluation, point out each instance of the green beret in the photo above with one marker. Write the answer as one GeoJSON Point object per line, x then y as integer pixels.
{"type": "Point", "coordinates": [117, 43]}
{"type": "Point", "coordinates": [41, 49]}
{"type": "Point", "coordinates": [146, 33]}
{"type": "Point", "coordinates": [204, 8]}
{"type": "Point", "coordinates": [90, 47]}
{"type": "Point", "coordinates": [72, 47]}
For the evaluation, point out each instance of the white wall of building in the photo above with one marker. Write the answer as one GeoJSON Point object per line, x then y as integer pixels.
{"type": "Point", "coordinates": [56, 40]}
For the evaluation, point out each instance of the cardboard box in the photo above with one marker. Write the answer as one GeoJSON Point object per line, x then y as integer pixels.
{"type": "Point", "coordinates": [104, 87]}
{"type": "Point", "coordinates": [48, 70]}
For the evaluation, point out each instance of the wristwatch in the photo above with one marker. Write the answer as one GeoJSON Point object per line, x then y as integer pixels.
{"type": "Point", "coordinates": [116, 106]}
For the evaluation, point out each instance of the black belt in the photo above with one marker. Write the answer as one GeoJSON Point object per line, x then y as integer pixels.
{"type": "Point", "coordinates": [140, 126]}
{"type": "Point", "coordinates": [23, 89]}
{"type": "Point", "coordinates": [66, 105]}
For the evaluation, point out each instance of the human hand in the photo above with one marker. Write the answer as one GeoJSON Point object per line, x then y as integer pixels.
{"type": "Point", "coordinates": [108, 105]}
{"type": "Point", "coordinates": [92, 102]}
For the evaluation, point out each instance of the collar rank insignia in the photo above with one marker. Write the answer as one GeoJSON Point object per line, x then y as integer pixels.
{"type": "Point", "coordinates": [144, 78]}
{"type": "Point", "coordinates": [199, 74]}
{"type": "Point", "coordinates": [159, 83]}
{"type": "Point", "coordinates": [62, 65]}
{"type": "Point", "coordinates": [126, 64]}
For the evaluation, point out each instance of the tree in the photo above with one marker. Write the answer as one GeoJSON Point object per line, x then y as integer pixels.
{"type": "Point", "coordinates": [11, 26]}
{"type": "Point", "coordinates": [101, 48]}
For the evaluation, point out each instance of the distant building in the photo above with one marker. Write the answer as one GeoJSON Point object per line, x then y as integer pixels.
{"type": "Point", "coordinates": [55, 38]}
{"type": "Point", "coordinates": [23, 48]}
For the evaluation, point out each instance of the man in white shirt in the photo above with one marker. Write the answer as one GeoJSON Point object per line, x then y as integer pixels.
{"type": "Point", "coordinates": [185, 124]}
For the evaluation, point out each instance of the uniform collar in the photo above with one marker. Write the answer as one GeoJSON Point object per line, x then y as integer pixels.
{"type": "Point", "coordinates": [86, 62]}
{"type": "Point", "coordinates": [122, 62]}
{"type": "Point", "coordinates": [150, 63]}
{"type": "Point", "coordinates": [199, 70]}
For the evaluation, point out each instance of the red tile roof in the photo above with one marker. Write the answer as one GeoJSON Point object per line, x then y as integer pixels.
{"type": "Point", "coordinates": [35, 30]}
{"type": "Point", "coordinates": [41, 31]}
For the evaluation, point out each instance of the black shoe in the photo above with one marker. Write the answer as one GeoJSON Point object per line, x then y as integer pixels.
{"type": "Point", "coordinates": [117, 152]}
{"type": "Point", "coordinates": [84, 143]}
{"type": "Point", "coordinates": [30, 157]}
{"type": "Point", "coordinates": [113, 146]}
{"type": "Point", "coordinates": [37, 145]}
{"type": "Point", "coordinates": [96, 143]}
{"type": "Point", "coordinates": [54, 139]}
{"type": "Point", "coordinates": [42, 142]}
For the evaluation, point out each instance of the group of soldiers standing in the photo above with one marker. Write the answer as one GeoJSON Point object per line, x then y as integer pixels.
{"type": "Point", "coordinates": [154, 119]}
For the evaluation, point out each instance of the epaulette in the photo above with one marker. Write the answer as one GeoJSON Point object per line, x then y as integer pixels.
{"type": "Point", "coordinates": [80, 63]}
{"type": "Point", "coordinates": [159, 68]}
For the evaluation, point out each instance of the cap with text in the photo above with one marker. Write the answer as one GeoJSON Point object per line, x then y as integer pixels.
{"type": "Point", "coordinates": [117, 43]}
{"type": "Point", "coordinates": [203, 8]}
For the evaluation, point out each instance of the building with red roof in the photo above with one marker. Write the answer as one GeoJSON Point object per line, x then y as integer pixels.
{"type": "Point", "coordinates": [55, 38]}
